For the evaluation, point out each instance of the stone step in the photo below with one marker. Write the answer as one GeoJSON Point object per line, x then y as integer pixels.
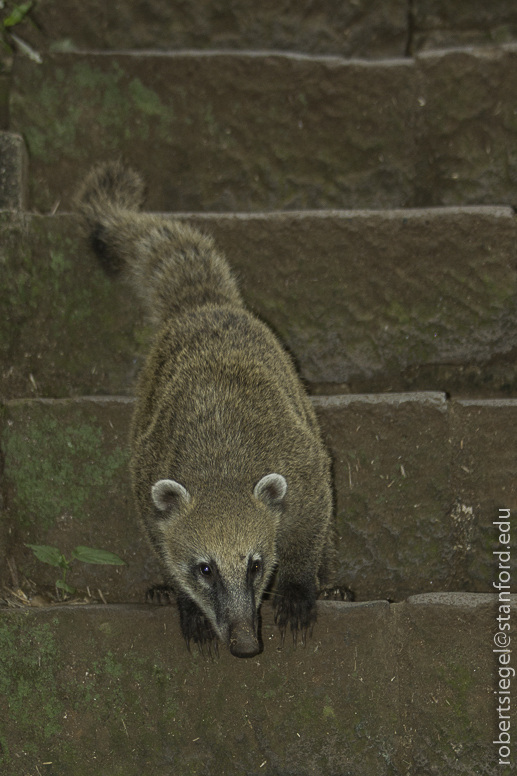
{"type": "Point", "coordinates": [248, 131]}
{"type": "Point", "coordinates": [405, 688]}
{"type": "Point", "coordinates": [358, 28]}
{"type": "Point", "coordinates": [377, 28]}
{"type": "Point", "coordinates": [366, 301]}
{"type": "Point", "coordinates": [418, 481]}
{"type": "Point", "coordinates": [13, 172]}
{"type": "Point", "coordinates": [438, 24]}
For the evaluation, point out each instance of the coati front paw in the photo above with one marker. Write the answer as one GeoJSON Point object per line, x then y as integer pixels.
{"type": "Point", "coordinates": [195, 626]}
{"type": "Point", "coordinates": [160, 595]}
{"type": "Point", "coordinates": [295, 605]}
{"type": "Point", "coordinates": [335, 593]}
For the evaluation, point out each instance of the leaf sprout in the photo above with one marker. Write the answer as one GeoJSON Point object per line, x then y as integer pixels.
{"type": "Point", "coordinates": [55, 557]}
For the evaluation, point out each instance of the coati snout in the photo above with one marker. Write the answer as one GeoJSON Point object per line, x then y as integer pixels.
{"type": "Point", "coordinates": [230, 475]}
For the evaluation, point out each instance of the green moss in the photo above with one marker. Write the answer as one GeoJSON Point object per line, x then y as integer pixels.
{"type": "Point", "coordinates": [5, 756]}
{"type": "Point", "coordinates": [57, 468]}
{"type": "Point", "coordinates": [61, 319]}
{"type": "Point", "coordinates": [55, 109]}
{"type": "Point", "coordinates": [396, 312]}
{"type": "Point", "coordinates": [28, 682]}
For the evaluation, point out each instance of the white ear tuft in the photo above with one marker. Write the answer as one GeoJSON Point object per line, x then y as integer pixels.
{"type": "Point", "coordinates": [169, 495]}
{"type": "Point", "coordinates": [271, 489]}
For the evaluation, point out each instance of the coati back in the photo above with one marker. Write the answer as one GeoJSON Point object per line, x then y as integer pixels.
{"type": "Point", "coordinates": [230, 476]}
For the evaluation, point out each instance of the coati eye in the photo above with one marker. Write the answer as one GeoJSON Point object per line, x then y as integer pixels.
{"type": "Point", "coordinates": [205, 569]}
{"type": "Point", "coordinates": [255, 567]}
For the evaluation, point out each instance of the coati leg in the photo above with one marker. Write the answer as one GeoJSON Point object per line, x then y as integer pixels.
{"type": "Point", "coordinates": [295, 605]}
{"type": "Point", "coordinates": [329, 591]}
{"type": "Point", "coordinates": [160, 595]}
{"type": "Point", "coordinates": [295, 597]}
{"type": "Point", "coordinates": [194, 625]}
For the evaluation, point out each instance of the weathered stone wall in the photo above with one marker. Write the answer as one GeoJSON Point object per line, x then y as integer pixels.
{"type": "Point", "coordinates": [247, 131]}
{"type": "Point", "coordinates": [379, 689]}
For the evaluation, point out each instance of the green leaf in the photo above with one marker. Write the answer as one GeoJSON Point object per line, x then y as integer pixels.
{"type": "Point", "coordinates": [17, 15]}
{"type": "Point", "coordinates": [89, 555]}
{"type": "Point", "coordinates": [65, 586]}
{"type": "Point", "coordinates": [50, 555]}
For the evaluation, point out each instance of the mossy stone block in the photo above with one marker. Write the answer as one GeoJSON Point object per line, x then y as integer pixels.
{"type": "Point", "coordinates": [222, 132]}
{"type": "Point", "coordinates": [391, 472]}
{"type": "Point", "coordinates": [65, 330]}
{"type": "Point", "coordinates": [66, 484]}
{"type": "Point", "coordinates": [418, 484]}
{"type": "Point", "coordinates": [378, 687]}
{"type": "Point", "coordinates": [470, 114]}
{"type": "Point", "coordinates": [344, 291]}
{"type": "Point", "coordinates": [484, 482]}
{"type": "Point", "coordinates": [448, 697]}
{"type": "Point", "coordinates": [366, 298]}
{"type": "Point", "coordinates": [13, 169]}
{"type": "Point", "coordinates": [114, 689]}
{"type": "Point", "coordinates": [440, 24]}
{"type": "Point", "coordinates": [366, 28]}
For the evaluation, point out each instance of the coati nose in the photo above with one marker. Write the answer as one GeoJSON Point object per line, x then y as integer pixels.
{"type": "Point", "coordinates": [244, 642]}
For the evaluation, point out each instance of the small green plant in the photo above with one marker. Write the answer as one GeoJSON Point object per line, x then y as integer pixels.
{"type": "Point", "coordinates": [18, 14]}
{"type": "Point", "coordinates": [55, 557]}
{"type": "Point", "coordinates": [11, 15]}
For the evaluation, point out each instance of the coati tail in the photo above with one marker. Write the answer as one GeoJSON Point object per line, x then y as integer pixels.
{"type": "Point", "coordinates": [172, 266]}
{"type": "Point", "coordinates": [108, 189]}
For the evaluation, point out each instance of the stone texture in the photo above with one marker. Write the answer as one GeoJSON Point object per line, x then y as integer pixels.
{"type": "Point", "coordinates": [391, 477]}
{"type": "Point", "coordinates": [66, 484]}
{"type": "Point", "coordinates": [441, 24]}
{"type": "Point", "coordinates": [470, 116]}
{"type": "Point", "coordinates": [231, 132]}
{"type": "Point", "coordinates": [113, 689]}
{"type": "Point", "coordinates": [360, 295]}
{"type": "Point", "coordinates": [406, 688]}
{"type": "Point", "coordinates": [250, 131]}
{"type": "Point", "coordinates": [365, 299]}
{"type": "Point", "coordinates": [485, 463]}
{"type": "Point", "coordinates": [13, 171]}
{"type": "Point", "coordinates": [63, 329]}
{"type": "Point", "coordinates": [417, 485]}
{"type": "Point", "coordinates": [447, 700]}
{"type": "Point", "coordinates": [365, 28]}
{"type": "Point", "coordinates": [4, 102]}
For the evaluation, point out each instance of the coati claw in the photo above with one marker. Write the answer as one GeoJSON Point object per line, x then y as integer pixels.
{"type": "Point", "coordinates": [335, 593]}
{"type": "Point", "coordinates": [160, 596]}
{"type": "Point", "coordinates": [295, 605]}
{"type": "Point", "coordinates": [194, 625]}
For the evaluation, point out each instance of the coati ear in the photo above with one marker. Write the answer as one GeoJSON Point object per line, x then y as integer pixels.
{"type": "Point", "coordinates": [169, 495]}
{"type": "Point", "coordinates": [271, 489]}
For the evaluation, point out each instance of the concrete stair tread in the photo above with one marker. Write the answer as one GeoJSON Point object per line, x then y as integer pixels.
{"type": "Point", "coordinates": [377, 685]}
{"type": "Point", "coordinates": [419, 481]}
{"type": "Point", "coordinates": [333, 132]}
{"type": "Point", "coordinates": [366, 301]}
{"type": "Point", "coordinates": [387, 187]}
{"type": "Point", "coordinates": [371, 28]}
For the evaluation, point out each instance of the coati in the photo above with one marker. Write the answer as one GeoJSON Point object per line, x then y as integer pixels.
{"type": "Point", "coordinates": [230, 475]}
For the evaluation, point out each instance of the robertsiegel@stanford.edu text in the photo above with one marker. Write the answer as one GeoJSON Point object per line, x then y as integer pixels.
{"type": "Point", "coordinates": [505, 672]}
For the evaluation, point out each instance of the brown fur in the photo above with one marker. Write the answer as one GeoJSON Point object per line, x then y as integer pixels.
{"type": "Point", "coordinates": [220, 407]}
